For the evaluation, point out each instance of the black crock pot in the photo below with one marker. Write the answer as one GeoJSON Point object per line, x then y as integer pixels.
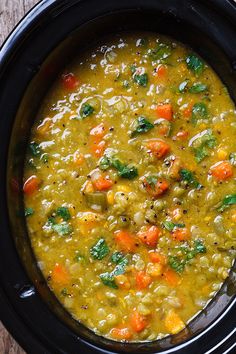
{"type": "Point", "coordinates": [41, 45]}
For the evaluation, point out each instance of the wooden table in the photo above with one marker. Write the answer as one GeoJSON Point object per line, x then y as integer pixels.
{"type": "Point", "coordinates": [11, 11]}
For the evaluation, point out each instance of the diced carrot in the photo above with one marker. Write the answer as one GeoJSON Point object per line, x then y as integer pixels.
{"type": "Point", "coordinates": [171, 277]}
{"type": "Point", "coordinates": [31, 185]}
{"type": "Point", "coordinates": [60, 275]}
{"type": "Point", "coordinates": [173, 322]}
{"type": "Point", "coordinates": [156, 257]}
{"type": "Point", "coordinates": [160, 187]}
{"type": "Point", "coordinates": [78, 158]}
{"type": "Point", "coordinates": [159, 148]}
{"type": "Point", "coordinates": [98, 148]}
{"type": "Point", "coordinates": [69, 81]}
{"type": "Point", "coordinates": [122, 281]}
{"type": "Point", "coordinates": [182, 234]}
{"type": "Point", "coordinates": [99, 131]}
{"type": "Point", "coordinates": [102, 183]}
{"type": "Point", "coordinates": [149, 235]}
{"type": "Point", "coordinates": [121, 333]}
{"type": "Point", "coordinates": [162, 71]}
{"type": "Point", "coordinates": [222, 170]}
{"type": "Point", "coordinates": [138, 322]}
{"type": "Point", "coordinates": [165, 111]}
{"type": "Point", "coordinates": [143, 280]}
{"type": "Point", "coordinates": [163, 129]}
{"type": "Point", "coordinates": [125, 240]}
{"type": "Point", "coordinates": [187, 112]}
{"type": "Point", "coordinates": [182, 135]}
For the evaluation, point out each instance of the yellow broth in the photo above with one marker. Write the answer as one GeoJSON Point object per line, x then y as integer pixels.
{"type": "Point", "coordinates": [130, 187]}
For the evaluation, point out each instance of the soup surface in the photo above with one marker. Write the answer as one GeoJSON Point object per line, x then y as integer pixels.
{"type": "Point", "coordinates": [130, 187]}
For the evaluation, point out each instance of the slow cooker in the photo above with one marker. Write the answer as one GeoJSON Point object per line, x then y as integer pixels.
{"type": "Point", "coordinates": [42, 44]}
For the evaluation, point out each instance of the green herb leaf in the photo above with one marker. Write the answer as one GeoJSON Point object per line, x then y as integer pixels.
{"type": "Point", "coordinates": [227, 201]}
{"type": "Point", "coordinates": [199, 112]}
{"type": "Point", "coordinates": [198, 88]}
{"type": "Point", "coordinates": [86, 110]}
{"type": "Point", "coordinates": [232, 158]}
{"type": "Point", "coordinates": [170, 226]}
{"type": "Point", "coordinates": [99, 250]}
{"type": "Point", "coordinates": [188, 176]}
{"type": "Point", "coordinates": [64, 213]}
{"type": "Point", "coordinates": [142, 126]}
{"type": "Point", "coordinates": [199, 247]}
{"type": "Point", "coordinates": [29, 211]}
{"type": "Point", "coordinates": [117, 257]}
{"type": "Point", "coordinates": [202, 145]}
{"type": "Point", "coordinates": [176, 263]}
{"type": "Point", "coordinates": [35, 149]}
{"type": "Point", "coordinates": [128, 172]}
{"type": "Point", "coordinates": [104, 163]}
{"type": "Point", "coordinates": [124, 171]}
{"type": "Point", "coordinates": [141, 79]}
{"type": "Point", "coordinates": [108, 280]}
{"type": "Point", "coordinates": [195, 64]}
{"type": "Point", "coordinates": [161, 52]}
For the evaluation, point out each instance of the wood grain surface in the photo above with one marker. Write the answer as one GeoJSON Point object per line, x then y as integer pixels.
{"type": "Point", "coordinates": [11, 12]}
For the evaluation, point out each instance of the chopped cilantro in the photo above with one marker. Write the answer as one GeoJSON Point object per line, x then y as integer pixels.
{"type": "Point", "coordinates": [178, 263]}
{"type": "Point", "coordinates": [99, 250]}
{"type": "Point", "coordinates": [202, 144]}
{"type": "Point", "coordinates": [124, 171]}
{"type": "Point", "coordinates": [86, 110]}
{"type": "Point", "coordinates": [64, 213]}
{"type": "Point", "coordinates": [161, 52]}
{"type": "Point", "coordinates": [199, 112]}
{"type": "Point", "coordinates": [227, 201]}
{"type": "Point", "coordinates": [142, 126]}
{"type": "Point", "coordinates": [107, 278]}
{"type": "Point", "coordinates": [198, 88]}
{"type": "Point", "coordinates": [188, 176]}
{"type": "Point", "coordinates": [170, 226]}
{"type": "Point", "coordinates": [195, 64]}
{"type": "Point", "coordinates": [141, 79]}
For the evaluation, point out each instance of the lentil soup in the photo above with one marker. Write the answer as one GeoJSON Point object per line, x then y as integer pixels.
{"type": "Point", "coordinates": [130, 187]}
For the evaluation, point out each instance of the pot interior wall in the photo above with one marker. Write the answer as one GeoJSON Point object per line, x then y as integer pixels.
{"type": "Point", "coordinates": [166, 22]}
